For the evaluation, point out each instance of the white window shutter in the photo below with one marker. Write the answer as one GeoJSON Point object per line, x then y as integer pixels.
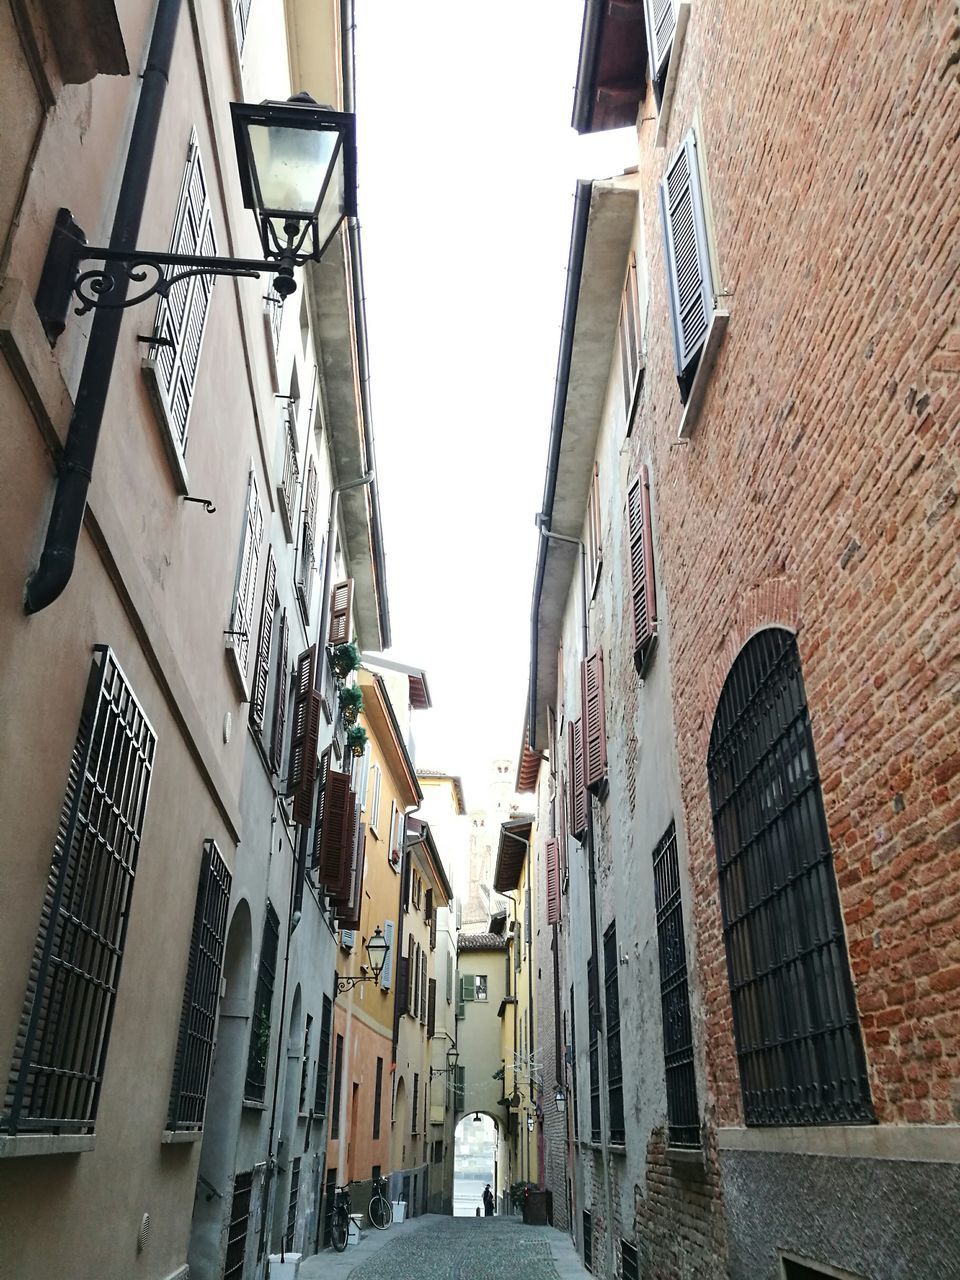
{"type": "Point", "coordinates": [386, 977]}
{"type": "Point", "coordinates": [689, 278]}
{"type": "Point", "coordinates": [661, 24]}
{"type": "Point", "coordinates": [243, 605]}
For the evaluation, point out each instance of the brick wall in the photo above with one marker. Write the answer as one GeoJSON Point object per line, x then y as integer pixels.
{"type": "Point", "coordinates": [819, 490]}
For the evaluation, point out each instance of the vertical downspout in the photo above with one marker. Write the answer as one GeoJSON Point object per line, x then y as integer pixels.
{"type": "Point", "coordinates": [75, 468]}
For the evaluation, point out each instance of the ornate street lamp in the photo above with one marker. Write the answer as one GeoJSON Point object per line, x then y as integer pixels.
{"type": "Point", "coordinates": [453, 1057]}
{"type": "Point", "coordinates": [531, 1121]}
{"type": "Point", "coordinates": [376, 949]}
{"type": "Point", "coordinates": [560, 1098]}
{"type": "Point", "coordinates": [298, 173]}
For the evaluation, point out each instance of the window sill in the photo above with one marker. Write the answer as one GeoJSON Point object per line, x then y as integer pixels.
{"type": "Point", "coordinates": [236, 671]}
{"type": "Point", "coordinates": [251, 1104]}
{"type": "Point", "coordinates": [178, 1137]}
{"type": "Point", "coordinates": [45, 1144]}
{"type": "Point", "coordinates": [698, 392]}
{"type": "Point", "coordinates": [158, 398]}
{"type": "Point", "coordinates": [673, 70]}
{"type": "Point", "coordinates": [686, 1155]}
{"type": "Point", "coordinates": [933, 1142]}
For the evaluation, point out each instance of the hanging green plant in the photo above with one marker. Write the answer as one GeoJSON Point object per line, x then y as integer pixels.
{"type": "Point", "coordinates": [344, 659]}
{"type": "Point", "coordinates": [357, 739]}
{"type": "Point", "coordinates": [351, 703]}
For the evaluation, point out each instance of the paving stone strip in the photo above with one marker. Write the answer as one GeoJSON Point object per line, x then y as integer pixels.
{"type": "Point", "coordinates": [464, 1249]}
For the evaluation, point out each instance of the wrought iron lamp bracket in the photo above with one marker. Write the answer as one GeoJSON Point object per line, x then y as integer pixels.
{"type": "Point", "coordinates": [347, 984]}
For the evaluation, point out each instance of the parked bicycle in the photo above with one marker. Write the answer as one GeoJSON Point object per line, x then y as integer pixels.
{"type": "Point", "coordinates": [340, 1218]}
{"type": "Point", "coordinates": [380, 1210]}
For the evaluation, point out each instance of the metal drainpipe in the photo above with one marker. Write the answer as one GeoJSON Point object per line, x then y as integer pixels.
{"type": "Point", "coordinates": [75, 467]}
{"type": "Point", "coordinates": [592, 880]}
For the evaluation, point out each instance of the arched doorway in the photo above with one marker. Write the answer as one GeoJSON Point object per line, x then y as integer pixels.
{"type": "Point", "coordinates": [476, 1163]}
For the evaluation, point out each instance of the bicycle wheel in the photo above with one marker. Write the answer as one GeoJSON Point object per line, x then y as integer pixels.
{"type": "Point", "coordinates": [339, 1230]}
{"type": "Point", "coordinates": [380, 1212]}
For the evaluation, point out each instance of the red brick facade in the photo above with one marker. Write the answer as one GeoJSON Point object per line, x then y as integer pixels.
{"type": "Point", "coordinates": [819, 489]}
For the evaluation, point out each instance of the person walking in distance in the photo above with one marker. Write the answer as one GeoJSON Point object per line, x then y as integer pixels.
{"type": "Point", "coordinates": [487, 1201]}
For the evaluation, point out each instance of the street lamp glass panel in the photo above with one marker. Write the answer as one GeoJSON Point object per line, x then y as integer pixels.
{"type": "Point", "coordinates": [560, 1098]}
{"type": "Point", "coordinates": [530, 1123]}
{"type": "Point", "coordinates": [453, 1057]}
{"type": "Point", "coordinates": [291, 165]}
{"type": "Point", "coordinates": [377, 949]}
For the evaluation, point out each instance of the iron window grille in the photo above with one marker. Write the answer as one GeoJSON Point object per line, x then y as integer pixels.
{"type": "Point", "coordinates": [255, 1085]}
{"type": "Point", "coordinates": [573, 1065]}
{"type": "Point", "coordinates": [683, 1112]}
{"type": "Point", "coordinates": [293, 1201]}
{"type": "Point", "coordinates": [614, 1062]}
{"type": "Point", "coordinates": [237, 1227]}
{"type": "Point", "coordinates": [323, 1059]}
{"type": "Point", "coordinates": [593, 1029]}
{"type": "Point", "coordinates": [629, 1261]}
{"type": "Point", "coordinates": [305, 1065]}
{"type": "Point", "coordinates": [64, 1032]}
{"type": "Point", "coordinates": [795, 1019]}
{"type": "Point", "coordinates": [377, 1098]}
{"type": "Point", "coordinates": [337, 1088]}
{"type": "Point", "coordinates": [587, 1240]}
{"type": "Point", "coordinates": [330, 1203]}
{"type": "Point", "coordinates": [198, 1018]}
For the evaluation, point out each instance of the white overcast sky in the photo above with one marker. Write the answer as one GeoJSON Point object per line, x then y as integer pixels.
{"type": "Point", "coordinates": [468, 165]}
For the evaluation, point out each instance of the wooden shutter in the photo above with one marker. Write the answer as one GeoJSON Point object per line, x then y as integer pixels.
{"type": "Point", "coordinates": [241, 618]}
{"type": "Point", "coordinates": [403, 985]}
{"type": "Point", "coordinates": [351, 917]}
{"type": "Point", "coordinates": [577, 805]}
{"type": "Point", "coordinates": [594, 728]}
{"type": "Point", "coordinates": [324, 769]}
{"type": "Point", "coordinates": [661, 22]}
{"type": "Point", "coordinates": [630, 360]}
{"type": "Point", "coordinates": [303, 687]}
{"type": "Point", "coordinates": [432, 1007]}
{"type": "Point", "coordinates": [311, 499]}
{"type": "Point", "coordinates": [468, 986]}
{"type": "Point", "coordinates": [423, 986]}
{"type": "Point", "coordinates": [181, 315]}
{"type": "Point", "coordinates": [387, 976]}
{"type": "Point", "coordinates": [280, 707]}
{"type": "Point", "coordinates": [303, 796]}
{"type": "Point", "coordinates": [428, 906]}
{"type": "Point", "coordinates": [552, 852]}
{"type": "Point", "coordinates": [341, 602]}
{"type": "Point", "coordinates": [261, 671]}
{"type": "Point", "coordinates": [433, 932]}
{"type": "Point", "coordinates": [336, 832]}
{"type": "Point", "coordinates": [689, 279]}
{"type": "Point", "coordinates": [643, 594]}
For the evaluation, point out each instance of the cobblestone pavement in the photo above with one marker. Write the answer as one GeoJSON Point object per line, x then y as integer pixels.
{"type": "Point", "coordinates": [442, 1248]}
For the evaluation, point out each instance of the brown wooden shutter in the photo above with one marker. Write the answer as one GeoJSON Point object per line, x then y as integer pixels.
{"type": "Point", "coordinates": [562, 835]}
{"type": "Point", "coordinates": [280, 708]}
{"type": "Point", "coordinates": [303, 797]}
{"type": "Point", "coordinates": [336, 832]}
{"type": "Point", "coordinates": [423, 986]}
{"type": "Point", "coordinates": [433, 928]}
{"type": "Point", "coordinates": [318, 820]}
{"type": "Point", "coordinates": [552, 852]}
{"type": "Point", "coordinates": [341, 602]}
{"type": "Point", "coordinates": [432, 1007]}
{"type": "Point", "coordinates": [403, 985]}
{"type": "Point", "coordinates": [261, 670]}
{"type": "Point", "coordinates": [577, 794]}
{"type": "Point", "coordinates": [594, 724]}
{"type": "Point", "coordinates": [303, 685]}
{"type": "Point", "coordinates": [428, 906]}
{"type": "Point", "coordinates": [643, 592]}
{"type": "Point", "coordinates": [350, 919]}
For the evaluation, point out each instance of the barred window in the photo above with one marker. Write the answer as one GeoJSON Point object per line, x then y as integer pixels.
{"type": "Point", "coordinates": [683, 1114]}
{"type": "Point", "coordinates": [588, 1239]}
{"type": "Point", "coordinates": [293, 1201]}
{"type": "Point", "coordinates": [573, 1065]}
{"type": "Point", "coordinates": [593, 1029]}
{"type": "Point", "coordinates": [198, 1018]}
{"type": "Point", "coordinates": [795, 1017]}
{"type": "Point", "coordinates": [614, 1064]}
{"type": "Point", "coordinates": [256, 1081]}
{"type": "Point", "coordinates": [323, 1059]}
{"type": "Point", "coordinates": [64, 1032]}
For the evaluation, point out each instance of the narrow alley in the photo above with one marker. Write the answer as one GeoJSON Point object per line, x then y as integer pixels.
{"type": "Point", "coordinates": [443, 1248]}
